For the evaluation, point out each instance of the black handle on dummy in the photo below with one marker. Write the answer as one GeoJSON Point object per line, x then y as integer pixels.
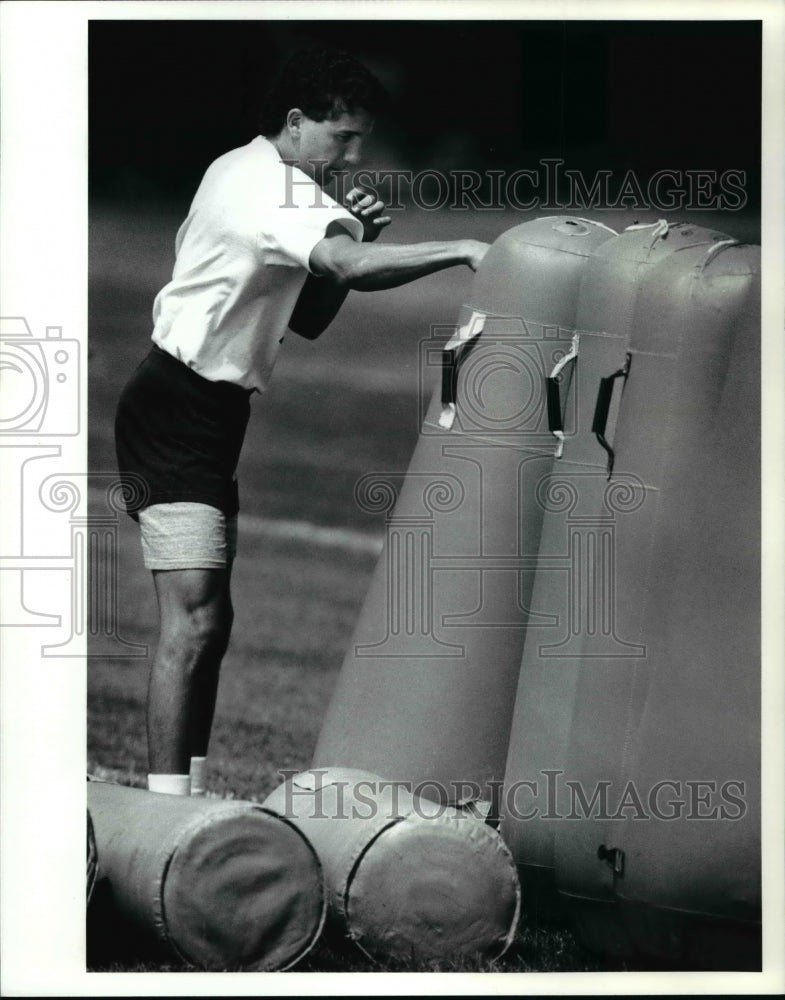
{"type": "Point", "coordinates": [452, 360]}
{"type": "Point", "coordinates": [449, 377]}
{"type": "Point", "coordinates": [555, 422]}
{"type": "Point", "coordinates": [602, 408]}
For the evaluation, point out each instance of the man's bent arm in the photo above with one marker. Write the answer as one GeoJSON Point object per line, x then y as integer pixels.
{"type": "Point", "coordinates": [369, 267]}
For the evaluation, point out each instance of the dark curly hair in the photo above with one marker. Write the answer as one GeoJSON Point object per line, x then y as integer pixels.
{"type": "Point", "coordinates": [323, 83]}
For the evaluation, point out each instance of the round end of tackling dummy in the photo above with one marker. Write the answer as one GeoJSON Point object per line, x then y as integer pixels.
{"type": "Point", "coordinates": [433, 889]}
{"type": "Point", "coordinates": [244, 890]}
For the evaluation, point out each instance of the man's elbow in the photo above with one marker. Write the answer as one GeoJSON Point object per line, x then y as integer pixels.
{"type": "Point", "coordinates": [339, 268]}
{"type": "Point", "coordinates": [354, 273]}
{"type": "Point", "coordinates": [344, 264]}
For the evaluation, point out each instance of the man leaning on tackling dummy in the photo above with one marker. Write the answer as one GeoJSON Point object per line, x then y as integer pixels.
{"type": "Point", "coordinates": [263, 249]}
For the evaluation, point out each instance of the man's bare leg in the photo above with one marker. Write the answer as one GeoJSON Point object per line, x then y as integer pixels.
{"type": "Point", "coordinates": [196, 619]}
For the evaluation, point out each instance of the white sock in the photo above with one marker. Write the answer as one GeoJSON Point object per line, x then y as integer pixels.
{"type": "Point", "coordinates": [198, 776]}
{"type": "Point", "coordinates": [169, 784]}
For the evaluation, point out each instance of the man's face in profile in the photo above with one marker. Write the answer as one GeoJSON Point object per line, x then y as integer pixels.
{"type": "Point", "coordinates": [333, 145]}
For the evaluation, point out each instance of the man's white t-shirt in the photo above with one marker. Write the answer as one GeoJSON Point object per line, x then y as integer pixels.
{"type": "Point", "coordinates": [242, 259]}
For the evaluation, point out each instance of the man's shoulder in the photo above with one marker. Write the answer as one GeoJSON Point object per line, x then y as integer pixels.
{"type": "Point", "coordinates": [258, 162]}
{"type": "Point", "coordinates": [251, 152]}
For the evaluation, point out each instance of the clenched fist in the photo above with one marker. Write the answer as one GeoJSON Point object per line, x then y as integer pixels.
{"type": "Point", "coordinates": [368, 209]}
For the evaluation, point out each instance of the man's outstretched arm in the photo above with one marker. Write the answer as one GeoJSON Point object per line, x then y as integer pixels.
{"type": "Point", "coordinates": [339, 263]}
{"type": "Point", "coordinates": [369, 268]}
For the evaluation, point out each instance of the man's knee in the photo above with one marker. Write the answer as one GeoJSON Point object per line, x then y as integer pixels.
{"type": "Point", "coordinates": [196, 613]}
{"type": "Point", "coordinates": [199, 631]}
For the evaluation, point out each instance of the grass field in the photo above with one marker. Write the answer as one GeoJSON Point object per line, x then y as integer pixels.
{"type": "Point", "coordinates": [337, 409]}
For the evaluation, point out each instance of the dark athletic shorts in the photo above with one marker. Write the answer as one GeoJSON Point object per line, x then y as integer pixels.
{"type": "Point", "coordinates": [178, 436]}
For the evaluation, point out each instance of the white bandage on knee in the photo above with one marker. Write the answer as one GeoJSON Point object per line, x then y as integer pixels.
{"type": "Point", "coordinates": [170, 784]}
{"type": "Point", "coordinates": [198, 775]}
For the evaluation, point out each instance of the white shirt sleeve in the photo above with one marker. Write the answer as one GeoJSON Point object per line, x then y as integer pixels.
{"type": "Point", "coordinates": [299, 221]}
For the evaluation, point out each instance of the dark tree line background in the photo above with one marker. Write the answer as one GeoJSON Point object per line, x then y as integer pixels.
{"type": "Point", "coordinates": [167, 97]}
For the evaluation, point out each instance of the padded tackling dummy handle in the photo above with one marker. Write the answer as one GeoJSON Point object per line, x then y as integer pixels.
{"type": "Point", "coordinates": [455, 353]}
{"type": "Point", "coordinates": [553, 396]}
{"type": "Point", "coordinates": [602, 407]}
